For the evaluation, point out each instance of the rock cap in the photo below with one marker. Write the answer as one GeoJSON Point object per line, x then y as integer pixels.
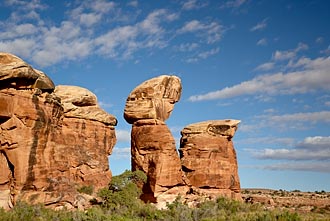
{"type": "Point", "coordinates": [16, 73]}
{"type": "Point", "coordinates": [226, 127]}
{"type": "Point", "coordinates": [153, 99]}
{"type": "Point", "coordinates": [79, 102]}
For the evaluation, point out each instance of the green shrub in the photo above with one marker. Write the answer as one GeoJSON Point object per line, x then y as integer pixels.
{"type": "Point", "coordinates": [86, 189]}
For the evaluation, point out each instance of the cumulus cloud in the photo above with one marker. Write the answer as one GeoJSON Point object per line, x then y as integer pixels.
{"type": "Point", "coordinates": [266, 66]}
{"type": "Point", "coordinates": [212, 32]}
{"type": "Point", "coordinates": [123, 135]}
{"type": "Point", "coordinates": [121, 152]}
{"type": "Point", "coordinates": [203, 55]}
{"type": "Point", "coordinates": [193, 4]}
{"type": "Point", "coordinates": [314, 152]}
{"type": "Point", "coordinates": [184, 47]}
{"type": "Point", "coordinates": [260, 25]}
{"type": "Point", "coordinates": [312, 76]}
{"type": "Point", "coordinates": [268, 140]}
{"type": "Point", "coordinates": [311, 117]}
{"type": "Point", "coordinates": [323, 167]}
{"type": "Point", "coordinates": [311, 148]}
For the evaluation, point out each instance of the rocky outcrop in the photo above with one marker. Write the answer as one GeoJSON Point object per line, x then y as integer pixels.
{"type": "Point", "coordinates": [152, 144]}
{"type": "Point", "coordinates": [153, 99]}
{"type": "Point", "coordinates": [208, 157]}
{"type": "Point", "coordinates": [48, 147]}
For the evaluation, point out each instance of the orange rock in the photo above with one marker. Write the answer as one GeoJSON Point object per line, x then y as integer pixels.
{"type": "Point", "coordinates": [47, 151]}
{"type": "Point", "coordinates": [209, 159]}
{"type": "Point", "coordinates": [153, 152]}
{"type": "Point", "coordinates": [153, 99]}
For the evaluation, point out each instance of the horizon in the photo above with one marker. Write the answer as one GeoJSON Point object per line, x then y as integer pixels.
{"type": "Point", "coordinates": [266, 63]}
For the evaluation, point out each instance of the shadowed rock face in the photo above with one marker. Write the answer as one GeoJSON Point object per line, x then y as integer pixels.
{"type": "Point", "coordinates": [153, 99]}
{"type": "Point", "coordinates": [208, 157]}
{"type": "Point", "coordinates": [152, 144]}
{"type": "Point", "coordinates": [47, 150]}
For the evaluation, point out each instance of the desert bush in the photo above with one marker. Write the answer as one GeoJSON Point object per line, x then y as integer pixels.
{"type": "Point", "coordinates": [86, 189]}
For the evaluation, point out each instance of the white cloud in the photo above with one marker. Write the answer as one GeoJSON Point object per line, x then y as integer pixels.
{"type": "Point", "coordinates": [123, 135]}
{"type": "Point", "coordinates": [262, 42]}
{"type": "Point", "coordinates": [314, 76]}
{"type": "Point", "coordinates": [134, 3]}
{"type": "Point", "coordinates": [121, 153]}
{"type": "Point", "coordinates": [26, 5]}
{"type": "Point", "coordinates": [124, 41]}
{"type": "Point", "coordinates": [186, 47]}
{"type": "Point", "coordinates": [211, 31]}
{"type": "Point", "coordinates": [265, 67]}
{"type": "Point", "coordinates": [311, 117]}
{"type": "Point", "coordinates": [233, 4]}
{"type": "Point", "coordinates": [290, 54]}
{"type": "Point", "coordinates": [203, 55]}
{"type": "Point", "coordinates": [193, 4]}
{"type": "Point", "coordinates": [260, 26]}
{"type": "Point", "coordinates": [323, 167]}
{"type": "Point", "coordinates": [313, 151]}
{"type": "Point", "coordinates": [21, 46]}
{"type": "Point", "coordinates": [268, 140]}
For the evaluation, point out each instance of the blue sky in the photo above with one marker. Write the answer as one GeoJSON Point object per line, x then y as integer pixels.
{"type": "Point", "coordinates": [263, 62]}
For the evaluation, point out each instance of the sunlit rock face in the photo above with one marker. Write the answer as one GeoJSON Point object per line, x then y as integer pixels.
{"type": "Point", "coordinates": [208, 157]}
{"type": "Point", "coordinates": [152, 144]}
{"type": "Point", "coordinates": [48, 150]}
{"type": "Point", "coordinates": [153, 99]}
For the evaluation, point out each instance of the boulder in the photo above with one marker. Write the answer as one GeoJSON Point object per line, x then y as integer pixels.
{"type": "Point", "coordinates": [15, 73]}
{"type": "Point", "coordinates": [153, 99]}
{"type": "Point", "coordinates": [81, 103]}
{"type": "Point", "coordinates": [208, 157]}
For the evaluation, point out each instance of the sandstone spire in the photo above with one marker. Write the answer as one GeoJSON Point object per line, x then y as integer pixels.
{"type": "Point", "coordinates": [152, 144]}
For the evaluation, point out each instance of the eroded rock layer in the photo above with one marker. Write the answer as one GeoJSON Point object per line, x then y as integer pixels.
{"type": "Point", "coordinates": [48, 151]}
{"type": "Point", "coordinates": [153, 152]}
{"type": "Point", "coordinates": [208, 157]}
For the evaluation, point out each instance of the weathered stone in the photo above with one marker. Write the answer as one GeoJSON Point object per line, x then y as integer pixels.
{"type": "Point", "coordinates": [153, 99]}
{"type": "Point", "coordinates": [153, 152]}
{"type": "Point", "coordinates": [81, 103]}
{"type": "Point", "coordinates": [45, 152]}
{"type": "Point", "coordinates": [16, 73]}
{"type": "Point", "coordinates": [208, 157]}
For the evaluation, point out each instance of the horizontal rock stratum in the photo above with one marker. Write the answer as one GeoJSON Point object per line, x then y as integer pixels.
{"type": "Point", "coordinates": [209, 159]}
{"type": "Point", "coordinates": [53, 140]}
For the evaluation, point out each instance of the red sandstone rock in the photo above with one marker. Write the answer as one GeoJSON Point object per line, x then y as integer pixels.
{"type": "Point", "coordinates": [152, 144]}
{"type": "Point", "coordinates": [153, 152]}
{"type": "Point", "coordinates": [153, 99]}
{"type": "Point", "coordinates": [209, 159]}
{"type": "Point", "coordinates": [46, 151]}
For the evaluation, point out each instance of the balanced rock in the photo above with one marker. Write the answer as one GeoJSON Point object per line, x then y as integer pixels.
{"type": "Point", "coordinates": [152, 144]}
{"type": "Point", "coordinates": [208, 157]}
{"type": "Point", "coordinates": [44, 154]}
{"type": "Point", "coordinates": [153, 99]}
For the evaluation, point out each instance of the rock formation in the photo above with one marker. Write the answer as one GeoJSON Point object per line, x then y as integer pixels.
{"type": "Point", "coordinates": [49, 147]}
{"type": "Point", "coordinates": [209, 159]}
{"type": "Point", "coordinates": [152, 144]}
